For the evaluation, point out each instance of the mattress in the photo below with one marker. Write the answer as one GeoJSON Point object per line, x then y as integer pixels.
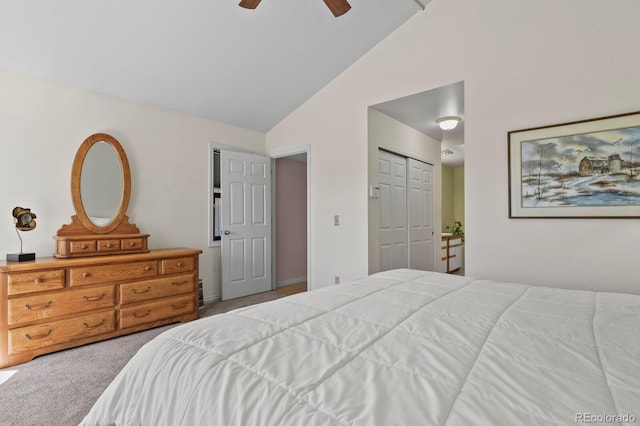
{"type": "Point", "coordinates": [401, 347]}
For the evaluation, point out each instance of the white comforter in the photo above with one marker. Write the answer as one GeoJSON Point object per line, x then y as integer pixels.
{"type": "Point", "coordinates": [401, 347]}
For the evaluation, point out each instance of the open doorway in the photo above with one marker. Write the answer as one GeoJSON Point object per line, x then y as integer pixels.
{"type": "Point", "coordinates": [453, 217]}
{"type": "Point", "coordinates": [290, 200]}
{"type": "Point", "coordinates": [414, 126]}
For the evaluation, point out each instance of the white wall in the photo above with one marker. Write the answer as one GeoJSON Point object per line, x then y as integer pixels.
{"type": "Point", "coordinates": [42, 124]}
{"type": "Point", "coordinates": [524, 64]}
{"type": "Point", "coordinates": [337, 181]}
{"type": "Point", "coordinates": [386, 132]}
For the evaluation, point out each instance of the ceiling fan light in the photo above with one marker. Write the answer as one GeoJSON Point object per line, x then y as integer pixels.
{"type": "Point", "coordinates": [448, 123]}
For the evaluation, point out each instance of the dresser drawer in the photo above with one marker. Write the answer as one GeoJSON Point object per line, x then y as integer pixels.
{"type": "Point", "coordinates": [455, 242]}
{"type": "Point", "coordinates": [132, 244]}
{"type": "Point", "coordinates": [78, 247]}
{"type": "Point", "coordinates": [37, 336]}
{"type": "Point", "coordinates": [29, 282]}
{"type": "Point", "coordinates": [153, 289]}
{"type": "Point", "coordinates": [154, 311]}
{"type": "Point", "coordinates": [44, 306]}
{"type": "Point", "coordinates": [105, 246]}
{"type": "Point", "coordinates": [175, 266]}
{"type": "Point", "coordinates": [86, 275]}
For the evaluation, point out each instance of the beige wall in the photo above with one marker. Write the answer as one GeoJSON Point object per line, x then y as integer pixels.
{"type": "Point", "coordinates": [42, 125]}
{"type": "Point", "coordinates": [452, 196]}
{"type": "Point", "coordinates": [388, 133]}
{"type": "Point", "coordinates": [458, 195]}
{"type": "Point", "coordinates": [447, 198]}
{"type": "Point", "coordinates": [522, 66]}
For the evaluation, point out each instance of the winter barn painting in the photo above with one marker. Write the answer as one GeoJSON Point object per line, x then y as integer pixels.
{"type": "Point", "coordinates": [582, 169]}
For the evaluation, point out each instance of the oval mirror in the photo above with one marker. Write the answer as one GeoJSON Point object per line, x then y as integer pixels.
{"type": "Point", "coordinates": [100, 183]}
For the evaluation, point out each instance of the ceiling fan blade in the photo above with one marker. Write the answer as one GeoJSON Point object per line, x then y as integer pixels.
{"type": "Point", "coordinates": [249, 4]}
{"type": "Point", "coordinates": [338, 7]}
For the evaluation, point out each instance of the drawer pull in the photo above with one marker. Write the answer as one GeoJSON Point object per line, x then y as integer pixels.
{"type": "Point", "coordinates": [180, 282]}
{"type": "Point", "coordinates": [136, 291]}
{"type": "Point", "coordinates": [94, 326]}
{"type": "Point", "coordinates": [86, 274]}
{"type": "Point", "coordinates": [83, 246]}
{"type": "Point", "coordinates": [132, 244]}
{"type": "Point", "coordinates": [39, 336]}
{"type": "Point", "coordinates": [174, 306]}
{"type": "Point", "coordinates": [39, 280]}
{"type": "Point", "coordinates": [179, 264]}
{"type": "Point", "coordinates": [137, 315]}
{"type": "Point", "coordinates": [108, 245]}
{"type": "Point", "coordinates": [93, 299]}
{"type": "Point", "coordinates": [148, 268]}
{"type": "Point", "coordinates": [42, 306]}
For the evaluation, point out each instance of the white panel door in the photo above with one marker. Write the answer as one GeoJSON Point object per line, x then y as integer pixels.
{"type": "Point", "coordinates": [421, 241]}
{"type": "Point", "coordinates": [245, 182]}
{"type": "Point", "coordinates": [393, 211]}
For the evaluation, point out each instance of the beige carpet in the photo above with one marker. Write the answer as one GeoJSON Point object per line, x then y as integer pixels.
{"type": "Point", "coordinates": [60, 388]}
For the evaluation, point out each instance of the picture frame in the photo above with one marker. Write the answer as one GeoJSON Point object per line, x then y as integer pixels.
{"type": "Point", "coordinates": [580, 169]}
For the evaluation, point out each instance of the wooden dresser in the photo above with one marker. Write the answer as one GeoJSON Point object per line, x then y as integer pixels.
{"type": "Point", "coordinates": [451, 250]}
{"type": "Point", "coordinates": [52, 304]}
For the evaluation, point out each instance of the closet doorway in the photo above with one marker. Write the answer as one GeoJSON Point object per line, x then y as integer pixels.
{"type": "Point", "coordinates": [290, 230]}
{"type": "Point", "coordinates": [406, 230]}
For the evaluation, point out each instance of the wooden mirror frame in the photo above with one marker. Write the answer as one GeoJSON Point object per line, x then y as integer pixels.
{"type": "Point", "coordinates": [82, 237]}
{"type": "Point", "coordinates": [76, 178]}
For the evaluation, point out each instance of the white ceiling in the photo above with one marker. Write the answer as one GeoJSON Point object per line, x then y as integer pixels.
{"type": "Point", "coordinates": [421, 110]}
{"type": "Point", "coordinates": [210, 58]}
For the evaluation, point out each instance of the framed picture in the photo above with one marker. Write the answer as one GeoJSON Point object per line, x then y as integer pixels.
{"type": "Point", "coordinates": [583, 169]}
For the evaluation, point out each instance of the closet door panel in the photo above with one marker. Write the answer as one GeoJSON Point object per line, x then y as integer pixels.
{"type": "Point", "coordinates": [393, 246]}
{"type": "Point", "coordinates": [421, 214]}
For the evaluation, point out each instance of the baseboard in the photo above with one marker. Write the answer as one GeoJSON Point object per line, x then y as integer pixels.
{"type": "Point", "coordinates": [212, 299]}
{"type": "Point", "coordinates": [218, 298]}
{"type": "Point", "coordinates": [291, 281]}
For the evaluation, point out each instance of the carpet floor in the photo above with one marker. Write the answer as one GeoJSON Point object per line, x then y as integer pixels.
{"type": "Point", "coordinates": [60, 388]}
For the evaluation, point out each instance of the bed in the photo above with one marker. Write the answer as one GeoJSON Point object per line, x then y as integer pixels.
{"type": "Point", "coordinates": [401, 347]}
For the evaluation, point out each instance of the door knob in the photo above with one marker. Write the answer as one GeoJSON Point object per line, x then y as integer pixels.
{"type": "Point", "coordinates": [227, 232]}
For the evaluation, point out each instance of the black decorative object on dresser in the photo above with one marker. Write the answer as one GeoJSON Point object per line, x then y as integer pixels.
{"type": "Point", "coordinates": [25, 221]}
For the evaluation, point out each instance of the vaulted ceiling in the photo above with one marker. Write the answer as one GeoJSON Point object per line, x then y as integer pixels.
{"type": "Point", "coordinates": [210, 58]}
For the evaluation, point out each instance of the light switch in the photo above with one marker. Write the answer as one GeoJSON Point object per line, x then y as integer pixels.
{"type": "Point", "coordinates": [336, 220]}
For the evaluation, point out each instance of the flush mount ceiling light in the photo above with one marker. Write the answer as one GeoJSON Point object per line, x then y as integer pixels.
{"type": "Point", "coordinates": [448, 123]}
{"type": "Point", "coordinates": [446, 152]}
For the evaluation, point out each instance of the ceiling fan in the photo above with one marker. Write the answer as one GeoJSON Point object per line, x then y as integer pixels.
{"type": "Point", "coordinates": [337, 7]}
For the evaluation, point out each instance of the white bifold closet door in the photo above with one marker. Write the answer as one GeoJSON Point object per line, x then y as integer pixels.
{"type": "Point", "coordinates": [421, 210]}
{"type": "Point", "coordinates": [406, 213]}
{"type": "Point", "coordinates": [393, 211]}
